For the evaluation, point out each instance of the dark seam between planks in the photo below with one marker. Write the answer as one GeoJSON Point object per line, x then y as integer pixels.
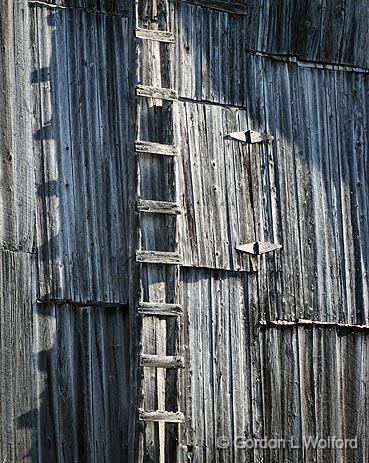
{"type": "Point", "coordinates": [299, 63]}
{"type": "Point", "coordinates": [77, 304]}
{"type": "Point", "coordinates": [40, 3]}
{"type": "Point", "coordinates": [311, 324]}
{"type": "Point", "coordinates": [239, 9]}
{"type": "Point", "coordinates": [18, 251]}
{"type": "Point", "coordinates": [314, 64]}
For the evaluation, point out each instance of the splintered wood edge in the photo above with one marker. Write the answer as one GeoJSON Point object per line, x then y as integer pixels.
{"type": "Point", "coordinates": [155, 35]}
{"type": "Point", "coordinates": [153, 257]}
{"type": "Point", "coordinates": [147, 147]}
{"type": "Point", "coordinates": [168, 417]}
{"type": "Point", "coordinates": [157, 361]}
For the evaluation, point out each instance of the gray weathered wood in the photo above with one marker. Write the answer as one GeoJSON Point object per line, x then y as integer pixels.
{"type": "Point", "coordinates": [167, 417]}
{"type": "Point", "coordinates": [157, 361]}
{"type": "Point", "coordinates": [159, 309]}
{"type": "Point", "coordinates": [258, 247]}
{"type": "Point", "coordinates": [251, 136]}
{"type": "Point", "coordinates": [69, 185]}
{"type": "Point", "coordinates": [156, 35]}
{"type": "Point", "coordinates": [147, 147]}
{"type": "Point", "coordinates": [158, 207]}
{"type": "Point", "coordinates": [312, 323]}
{"type": "Point", "coordinates": [82, 304]}
{"type": "Point", "coordinates": [157, 257]}
{"type": "Point", "coordinates": [223, 5]}
{"type": "Point", "coordinates": [156, 92]}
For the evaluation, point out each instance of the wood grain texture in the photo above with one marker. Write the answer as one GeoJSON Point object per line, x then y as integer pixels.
{"type": "Point", "coordinates": [241, 8]}
{"type": "Point", "coordinates": [80, 155]}
{"type": "Point", "coordinates": [307, 190]}
{"type": "Point", "coordinates": [157, 361]}
{"type": "Point", "coordinates": [80, 136]}
{"type": "Point", "coordinates": [69, 228]}
{"type": "Point", "coordinates": [158, 257]}
{"type": "Point", "coordinates": [18, 365]}
{"type": "Point", "coordinates": [83, 383]}
{"type": "Point", "coordinates": [159, 309]}
{"type": "Point", "coordinates": [167, 417]}
{"type": "Point", "coordinates": [251, 381]}
{"type": "Point", "coordinates": [156, 35]}
{"type": "Point", "coordinates": [156, 92]}
{"type": "Point", "coordinates": [145, 147]}
{"type": "Point", "coordinates": [310, 30]}
{"type": "Point", "coordinates": [116, 7]}
{"type": "Point", "coordinates": [158, 207]}
{"type": "Point", "coordinates": [17, 196]}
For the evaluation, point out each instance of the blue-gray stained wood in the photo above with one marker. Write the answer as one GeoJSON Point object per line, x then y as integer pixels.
{"type": "Point", "coordinates": [80, 94]}
{"type": "Point", "coordinates": [79, 85]}
{"type": "Point", "coordinates": [307, 190]}
{"type": "Point", "coordinates": [83, 384]}
{"type": "Point", "coordinates": [64, 382]}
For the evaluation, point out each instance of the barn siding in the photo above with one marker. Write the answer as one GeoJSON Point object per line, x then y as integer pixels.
{"type": "Point", "coordinates": [80, 91]}
{"type": "Point", "coordinates": [315, 30]}
{"type": "Point", "coordinates": [16, 173]}
{"type": "Point", "coordinates": [282, 383]}
{"type": "Point", "coordinates": [18, 391]}
{"type": "Point", "coordinates": [64, 382]}
{"type": "Point", "coordinates": [307, 190]}
{"type": "Point", "coordinates": [84, 384]}
{"type": "Point", "coordinates": [80, 128]}
{"type": "Point", "coordinates": [18, 385]}
{"type": "Point", "coordinates": [115, 7]}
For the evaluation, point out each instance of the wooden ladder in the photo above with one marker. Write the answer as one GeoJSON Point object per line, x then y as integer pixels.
{"type": "Point", "coordinates": [158, 310]}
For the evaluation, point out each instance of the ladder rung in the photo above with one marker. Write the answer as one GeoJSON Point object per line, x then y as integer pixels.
{"type": "Point", "coordinates": [149, 147]}
{"type": "Point", "coordinates": [158, 207]}
{"type": "Point", "coordinates": [168, 417]}
{"type": "Point", "coordinates": [160, 310]}
{"type": "Point", "coordinates": [157, 92]}
{"type": "Point", "coordinates": [157, 361]}
{"type": "Point", "coordinates": [158, 257]}
{"type": "Point", "coordinates": [159, 36]}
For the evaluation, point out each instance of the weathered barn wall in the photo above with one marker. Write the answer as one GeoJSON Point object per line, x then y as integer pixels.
{"type": "Point", "coordinates": [18, 364]}
{"type": "Point", "coordinates": [84, 384]}
{"type": "Point", "coordinates": [64, 381]}
{"type": "Point", "coordinates": [79, 81]}
{"type": "Point", "coordinates": [64, 225]}
{"type": "Point", "coordinates": [331, 31]}
{"type": "Point", "coordinates": [16, 173]}
{"type": "Point", "coordinates": [18, 394]}
{"type": "Point", "coordinates": [281, 383]}
{"type": "Point", "coordinates": [80, 92]}
{"type": "Point", "coordinates": [307, 190]}
{"type": "Point", "coordinates": [111, 7]}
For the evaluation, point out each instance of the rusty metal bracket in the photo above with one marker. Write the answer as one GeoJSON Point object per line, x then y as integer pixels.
{"type": "Point", "coordinates": [251, 136]}
{"type": "Point", "coordinates": [258, 247]}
